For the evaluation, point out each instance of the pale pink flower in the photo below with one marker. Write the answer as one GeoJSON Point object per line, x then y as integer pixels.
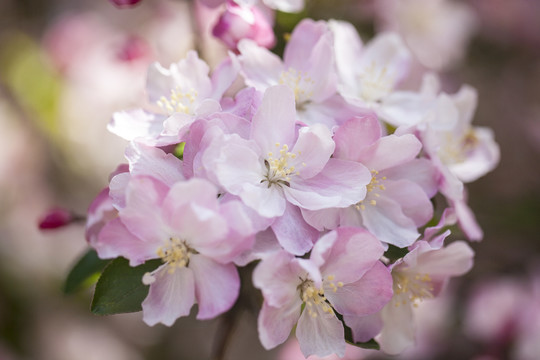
{"type": "Point", "coordinates": [420, 275]}
{"type": "Point", "coordinates": [281, 5]}
{"type": "Point", "coordinates": [307, 68]}
{"type": "Point", "coordinates": [398, 195]}
{"type": "Point", "coordinates": [178, 94]}
{"type": "Point", "coordinates": [436, 31]}
{"type": "Point", "coordinates": [239, 22]}
{"type": "Point", "coordinates": [468, 152]}
{"type": "Point", "coordinates": [343, 273]}
{"type": "Point", "coordinates": [194, 235]}
{"type": "Point", "coordinates": [280, 165]}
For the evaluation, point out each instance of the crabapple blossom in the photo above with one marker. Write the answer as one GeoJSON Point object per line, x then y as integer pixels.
{"type": "Point", "coordinates": [194, 236]}
{"type": "Point", "coordinates": [307, 68]}
{"type": "Point", "coordinates": [280, 168]}
{"type": "Point", "coordinates": [436, 31]}
{"type": "Point", "coordinates": [239, 22]}
{"type": "Point", "coordinates": [420, 275]}
{"type": "Point", "coordinates": [398, 195]}
{"type": "Point", "coordinates": [343, 274]}
{"type": "Point", "coordinates": [179, 94]}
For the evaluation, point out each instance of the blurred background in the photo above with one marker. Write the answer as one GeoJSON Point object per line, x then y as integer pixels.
{"type": "Point", "coordinates": [67, 65]}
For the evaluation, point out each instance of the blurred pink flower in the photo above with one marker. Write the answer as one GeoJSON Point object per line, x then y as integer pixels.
{"type": "Point", "coordinates": [436, 31]}
{"type": "Point", "coordinates": [239, 22]}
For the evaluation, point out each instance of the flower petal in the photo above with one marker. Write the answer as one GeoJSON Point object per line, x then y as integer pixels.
{"type": "Point", "coordinates": [321, 334]}
{"type": "Point", "coordinates": [170, 297]}
{"type": "Point", "coordinates": [216, 286]}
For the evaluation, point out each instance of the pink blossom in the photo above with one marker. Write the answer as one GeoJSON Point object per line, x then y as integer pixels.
{"type": "Point", "coordinates": [243, 22]}
{"type": "Point", "coordinates": [178, 94]}
{"type": "Point", "coordinates": [436, 31]}
{"type": "Point", "coordinates": [420, 275]}
{"type": "Point", "coordinates": [194, 236]}
{"type": "Point", "coordinates": [343, 273]}
{"type": "Point", "coordinates": [279, 165]}
{"type": "Point", "coordinates": [398, 195]}
{"type": "Point", "coordinates": [307, 68]}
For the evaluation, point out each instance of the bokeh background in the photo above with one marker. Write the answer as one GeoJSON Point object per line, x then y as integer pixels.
{"type": "Point", "coordinates": [66, 65]}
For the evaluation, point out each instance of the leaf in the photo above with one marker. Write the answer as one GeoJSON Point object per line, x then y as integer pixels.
{"type": "Point", "coordinates": [120, 288]}
{"type": "Point", "coordinates": [179, 150]}
{"type": "Point", "coordinates": [371, 344]}
{"type": "Point", "coordinates": [84, 272]}
{"type": "Point", "coordinates": [393, 253]}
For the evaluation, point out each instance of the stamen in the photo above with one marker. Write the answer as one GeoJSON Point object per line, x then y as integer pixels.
{"type": "Point", "coordinates": [415, 286]}
{"type": "Point", "coordinates": [300, 83]}
{"type": "Point", "coordinates": [178, 101]}
{"type": "Point", "coordinates": [176, 254]}
{"type": "Point", "coordinates": [278, 170]}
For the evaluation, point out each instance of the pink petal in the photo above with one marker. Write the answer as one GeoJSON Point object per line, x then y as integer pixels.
{"type": "Point", "coordinates": [260, 67]}
{"type": "Point", "coordinates": [322, 219]}
{"type": "Point", "coordinates": [453, 260]}
{"type": "Point", "coordinates": [364, 328]}
{"type": "Point", "coordinates": [355, 135]}
{"type": "Point", "coordinates": [142, 214]}
{"type": "Point", "coordinates": [322, 335]}
{"type": "Point", "coordinates": [154, 162]}
{"type": "Point", "coordinates": [398, 332]}
{"type": "Point", "coordinates": [216, 286]}
{"type": "Point", "coordinates": [275, 324]}
{"type": "Point", "coordinates": [391, 151]}
{"type": "Point", "coordinates": [303, 39]}
{"type": "Point", "coordinates": [314, 147]}
{"type": "Point", "coordinates": [275, 120]}
{"type": "Point", "coordinates": [419, 171]}
{"type": "Point", "coordinates": [414, 202]}
{"type": "Point", "coordinates": [293, 233]}
{"type": "Point", "coordinates": [349, 256]}
{"type": "Point", "coordinates": [223, 77]}
{"type": "Point", "coordinates": [170, 297]}
{"type": "Point", "coordinates": [387, 222]}
{"type": "Point", "coordinates": [115, 240]}
{"type": "Point", "coordinates": [341, 183]}
{"type": "Point", "coordinates": [365, 296]}
{"type": "Point", "coordinates": [277, 277]}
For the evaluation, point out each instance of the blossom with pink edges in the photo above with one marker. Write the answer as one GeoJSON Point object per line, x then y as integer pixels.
{"type": "Point", "coordinates": [343, 274]}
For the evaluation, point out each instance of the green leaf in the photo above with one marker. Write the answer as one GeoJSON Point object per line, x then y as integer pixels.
{"type": "Point", "coordinates": [120, 288]}
{"type": "Point", "coordinates": [393, 253]}
{"type": "Point", "coordinates": [84, 273]}
{"type": "Point", "coordinates": [179, 150]}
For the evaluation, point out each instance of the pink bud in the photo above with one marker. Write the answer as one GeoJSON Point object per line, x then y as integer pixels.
{"type": "Point", "coordinates": [125, 3]}
{"type": "Point", "coordinates": [132, 49]}
{"type": "Point", "coordinates": [56, 218]}
{"type": "Point", "coordinates": [243, 22]}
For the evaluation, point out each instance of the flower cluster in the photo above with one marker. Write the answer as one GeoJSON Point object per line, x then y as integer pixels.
{"type": "Point", "coordinates": [316, 169]}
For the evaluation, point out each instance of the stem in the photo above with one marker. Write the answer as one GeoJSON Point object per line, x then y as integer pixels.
{"type": "Point", "coordinates": [224, 333]}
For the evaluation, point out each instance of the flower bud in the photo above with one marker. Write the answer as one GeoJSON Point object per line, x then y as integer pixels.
{"type": "Point", "coordinates": [56, 218]}
{"type": "Point", "coordinates": [243, 22]}
{"type": "Point", "coordinates": [125, 3]}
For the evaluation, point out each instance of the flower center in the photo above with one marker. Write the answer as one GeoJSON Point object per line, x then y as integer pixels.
{"type": "Point", "coordinates": [178, 101]}
{"type": "Point", "coordinates": [175, 254]}
{"type": "Point", "coordinates": [375, 82]}
{"type": "Point", "coordinates": [313, 298]}
{"type": "Point", "coordinates": [452, 151]}
{"type": "Point", "coordinates": [301, 84]}
{"type": "Point", "coordinates": [372, 190]}
{"type": "Point", "coordinates": [278, 169]}
{"type": "Point", "coordinates": [415, 287]}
